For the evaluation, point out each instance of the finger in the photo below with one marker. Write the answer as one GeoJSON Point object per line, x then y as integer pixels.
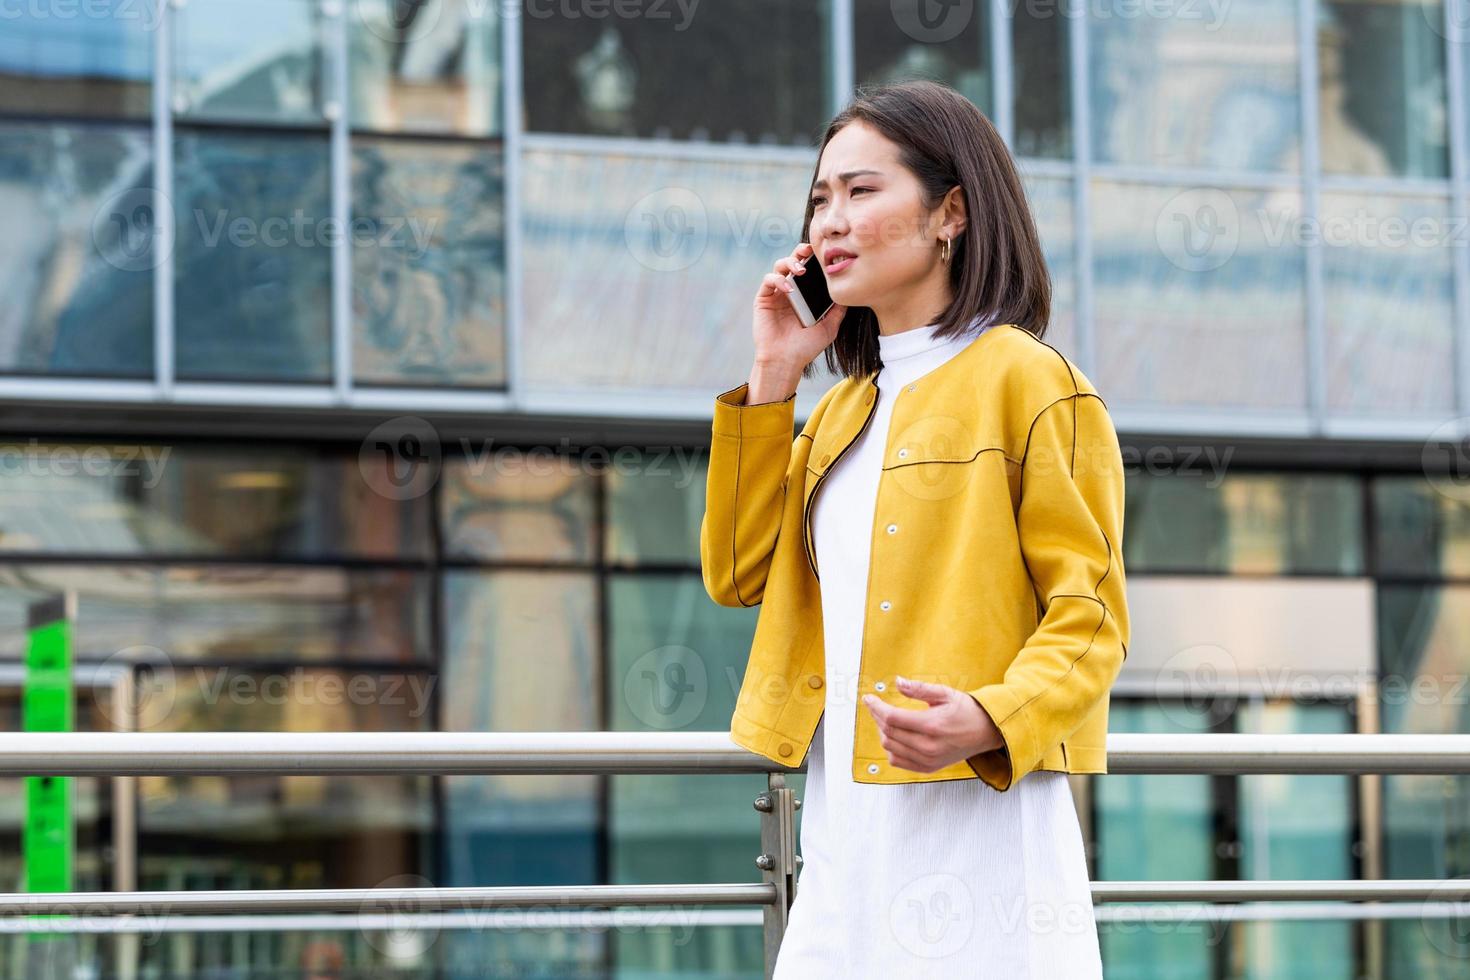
{"type": "Point", "coordinates": [909, 743]}
{"type": "Point", "coordinates": [918, 721]}
{"type": "Point", "coordinates": [924, 691]}
{"type": "Point", "coordinates": [773, 283]}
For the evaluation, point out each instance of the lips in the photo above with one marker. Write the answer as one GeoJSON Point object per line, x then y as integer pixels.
{"type": "Point", "coordinates": [836, 260]}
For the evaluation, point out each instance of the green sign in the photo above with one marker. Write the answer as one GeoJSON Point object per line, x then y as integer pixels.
{"type": "Point", "coordinates": [48, 705]}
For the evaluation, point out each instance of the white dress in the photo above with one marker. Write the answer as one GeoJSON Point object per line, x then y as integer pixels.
{"type": "Point", "coordinates": [941, 879]}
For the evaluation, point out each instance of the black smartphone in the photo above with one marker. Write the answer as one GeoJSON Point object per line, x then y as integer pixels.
{"type": "Point", "coordinates": [810, 298]}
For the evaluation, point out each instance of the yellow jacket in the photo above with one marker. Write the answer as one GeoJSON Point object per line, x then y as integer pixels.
{"type": "Point", "coordinates": [996, 566]}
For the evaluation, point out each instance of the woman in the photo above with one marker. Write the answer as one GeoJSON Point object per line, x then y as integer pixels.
{"type": "Point", "coordinates": [937, 557]}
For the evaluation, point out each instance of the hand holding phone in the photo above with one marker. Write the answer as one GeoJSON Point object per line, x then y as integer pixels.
{"type": "Point", "coordinates": [785, 340]}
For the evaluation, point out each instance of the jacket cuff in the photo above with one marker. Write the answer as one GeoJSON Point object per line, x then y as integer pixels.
{"type": "Point", "coordinates": [1001, 767]}
{"type": "Point", "coordinates": [737, 420]}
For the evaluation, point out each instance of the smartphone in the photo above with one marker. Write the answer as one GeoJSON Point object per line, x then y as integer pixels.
{"type": "Point", "coordinates": [810, 298]}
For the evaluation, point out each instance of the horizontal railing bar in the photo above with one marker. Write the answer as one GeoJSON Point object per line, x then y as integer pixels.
{"type": "Point", "coordinates": [686, 918]}
{"type": "Point", "coordinates": [1382, 890]}
{"type": "Point", "coordinates": [470, 753]}
{"type": "Point", "coordinates": [407, 901]}
{"type": "Point", "coordinates": [372, 901]}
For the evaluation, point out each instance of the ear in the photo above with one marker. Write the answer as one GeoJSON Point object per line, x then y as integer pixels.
{"type": "Point", "coordinates": [956, 214]}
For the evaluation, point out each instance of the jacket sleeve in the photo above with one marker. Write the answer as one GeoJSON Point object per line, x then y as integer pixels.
{"type": "Point", "coordinates": [1070, 525]}
{"type": "Point", "coordinates": [750, 452]}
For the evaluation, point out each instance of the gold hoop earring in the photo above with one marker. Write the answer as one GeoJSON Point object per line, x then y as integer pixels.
{"type": "Point", "coordinates": [944, 251]}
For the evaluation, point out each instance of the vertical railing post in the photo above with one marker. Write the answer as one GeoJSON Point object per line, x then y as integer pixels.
{"type": "Point", "coordinates": [778, 859]}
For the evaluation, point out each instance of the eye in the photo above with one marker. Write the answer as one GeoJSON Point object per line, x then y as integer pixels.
{"type": "Point", "coordinates": [856, 189]}
{"type": "Point", "coordinates": [817, 200]}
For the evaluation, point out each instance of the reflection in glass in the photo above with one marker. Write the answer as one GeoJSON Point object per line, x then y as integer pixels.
{"type": "Point", "coordinates": [77, 255]}
{"type": "Point", "coordinates": [142, 500]}
{"type": "Point", "coordinates": [1198, 295]}
{"type": "Point", "coordinates": [428, 67]}
{"type": "Point", "coordinates": [1152, 828]}
{"type": "Point", "coordinates": [630, 76]}
{"type": "Point", "coordinates": [1243, 523]}
{"type": "Point", "coordinates": [428, 264]}
{"type": "Point", "coordinates": [1381, 97]}
{"type": "Point", "coordinates": [253, 258]}
{"type": "Point", "coordinates": [1296, 828]}
{"type": "Point", "coordinates": [242, 612]}
{"type": "Point", "coordinates": [655, 507]}
{"type": "Point", "coordinates": [1424, 636]}
{"type": "Point", "coordinates": [267, 831]}
{"type": "Point", "coordinates": [1051, 205]}
{"type": "Point", "coordinates": [676, 662]}
{"type": "Point", "coordinates": [669, 271]}
{"type": "Point", "coordinates": [1042, 85]}
{"type": "Point", "coordinates": [1422, 526]}
{"type": "Point", "coordinates": [249, 60]}
{"type": "Point", "coordinates": [894, 42]}
{"type": "Point", "coordinates": [96, 62]}
{"type": "Point", "coordinates": [523, 655]}
{"type": "Point", "coordinates": [1388, 303]}
{"type": "Point", "coordinates": [1174, 86]}
{"type": "Point", "coordinates": [517, 507]}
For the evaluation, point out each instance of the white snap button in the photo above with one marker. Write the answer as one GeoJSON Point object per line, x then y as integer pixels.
{"type": "Point", "coordinates": [912, 387]}
{"type": "Point", "coordinates": [903, 453]}
{"type": "Point", "coordinates": [872, 767]}
{"type": "Point", "coordinates": [893, 529]}
{"type": "Point", "coordinates": [885, 605]}
{"type": "Point", "coordinates": [880, 686]}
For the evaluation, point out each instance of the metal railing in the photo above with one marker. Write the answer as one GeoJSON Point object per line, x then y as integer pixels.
{"type": "Point", "coordinates": [492, 753]}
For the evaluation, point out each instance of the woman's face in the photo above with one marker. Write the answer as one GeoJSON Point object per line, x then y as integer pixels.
{"type": "Point", "coordinates": [866, 204]}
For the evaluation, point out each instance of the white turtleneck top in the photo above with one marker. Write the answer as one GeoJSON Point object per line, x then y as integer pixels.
{"type": "Point", "coordinates": [940, 879]}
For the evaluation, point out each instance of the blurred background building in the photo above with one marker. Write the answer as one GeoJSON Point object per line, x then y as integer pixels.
{"type": "Point", "coordinates": [259, 254]}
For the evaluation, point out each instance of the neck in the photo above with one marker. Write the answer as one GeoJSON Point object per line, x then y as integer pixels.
{"type": "Point", "coordinates": [917, 307]}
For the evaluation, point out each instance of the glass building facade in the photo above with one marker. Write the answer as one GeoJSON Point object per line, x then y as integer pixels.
{"type": "Point", "coordinates": [256, 249]}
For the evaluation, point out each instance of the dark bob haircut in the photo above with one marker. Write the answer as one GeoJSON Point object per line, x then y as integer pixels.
{"type": "Point", "coordinates": [996, 268]}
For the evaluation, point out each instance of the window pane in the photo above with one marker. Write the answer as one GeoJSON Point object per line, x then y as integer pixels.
{"type": "Point", "coordinates": [253, 270]}
{"type": "Point", "coordinates": [267, 831]}
{"type": "Point", "coordinates": [523, 655]}
{"type": "Point", "coordinates": [1051, 206]}
{"type": "Point", "coordinates": [1295, 827]}
{"type": "Point", "coordinates": [429, 67]}
{"type": "Point", "coordinates": [664, 268]}
{"type": "Point", "coordinates": [1422, 525]}
{"type": "Point", "coordinates": [631, 75]}
{"type": "Point", "coordinates": [1243, 523]}
{"type": "Point", "coordinates": [1152, 828]}
{"type": "Point", "coordinates": [523, 508]}
{"type": "Point", "coordinates": [655, 506]}
{"type": "Point", "coordinates": [428, 264]}
{"type": "Point", "coordinates": [244, 612]}
{"type": "Point", "coordinates": [896, 41]}
{"type": "Point", "coordinates": [1190, 86]}
{"type": "Point", "coordinates": [249, 59]}
{"type": "Point", "coordinates": [677, 660]}
{"type": "Point", "coordinates": [1424, 633]}
{"type": "Point", "coordinates": [1042, 84]}
{"type": "Point", "coordinates": [128, 499]}
{"type": "Point", "coordinates": [86, 59]}
{"type": "Point", "coordinates": [1389, 303]}
{"type": "Point", "coordinates": [1198, 296]}
{"type": "Point", "coordinates": [1382, 93]}
{"type": "Point", "coordinates": [76, 263]}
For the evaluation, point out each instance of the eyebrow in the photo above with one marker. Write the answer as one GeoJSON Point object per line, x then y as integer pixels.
{"type": "Point", "coordinates": [843, 178]}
